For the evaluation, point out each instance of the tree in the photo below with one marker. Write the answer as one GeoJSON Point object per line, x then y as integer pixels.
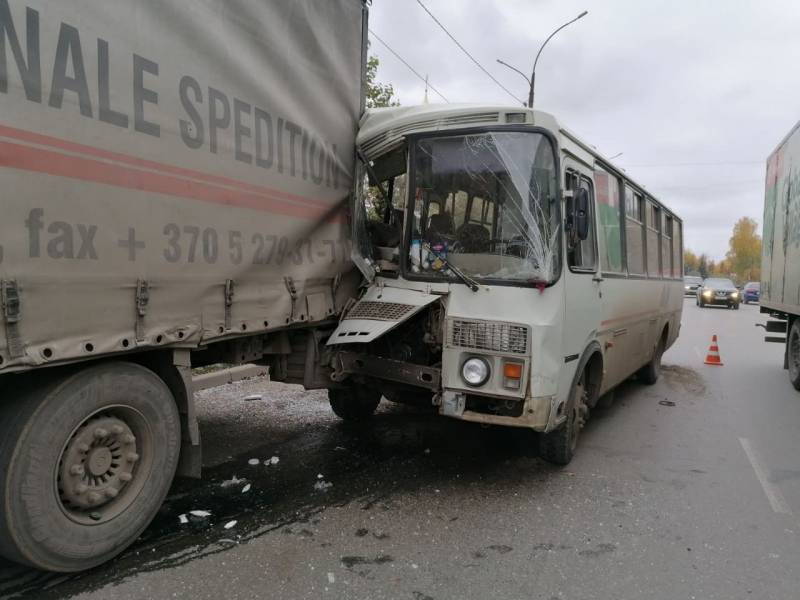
{"type": "Point", "coordinates": [744, 255]}
{"type": "Point", "coordinates": [722, 268]}
{"type": "Point", "coordinates": [378, 94]}
{"type": "Point", "coordinates": [690, 262]}
{"type": "Point", "coordinates": [702, 265]}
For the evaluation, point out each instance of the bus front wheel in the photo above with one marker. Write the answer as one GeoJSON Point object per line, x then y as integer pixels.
{"type": "Point", "coordinates": [355, 402]}
{"type": "Point", "coordinates": [558, 447]}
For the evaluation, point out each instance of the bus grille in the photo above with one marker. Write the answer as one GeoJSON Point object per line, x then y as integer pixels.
{"type": "Point", "coordinates": [379, 311]}
{"type": "Point", "coordinates": [489, 335]}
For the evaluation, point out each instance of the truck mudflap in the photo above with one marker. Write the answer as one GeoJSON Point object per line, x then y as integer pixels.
{"type": "Point", "coordinates": [380, 310]}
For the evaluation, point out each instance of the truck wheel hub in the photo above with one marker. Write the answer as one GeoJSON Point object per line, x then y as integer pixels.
{"type": "Point", "coordinates": [96, 465]}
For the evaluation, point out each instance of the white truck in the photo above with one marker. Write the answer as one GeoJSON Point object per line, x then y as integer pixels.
{"type": "Point", "coordinates": [174, 177]}
{"type": "Point", "coordinates": [780, 251]}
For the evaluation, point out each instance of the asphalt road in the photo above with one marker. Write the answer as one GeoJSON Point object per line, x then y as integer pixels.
{"type": "Point", "coordinates": [686, 489]}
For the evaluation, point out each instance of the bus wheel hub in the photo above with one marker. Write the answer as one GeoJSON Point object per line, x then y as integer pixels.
{"type": "Point", "coordinates": [96, 464]}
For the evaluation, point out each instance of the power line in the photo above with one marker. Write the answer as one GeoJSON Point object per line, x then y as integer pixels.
{"type": "Point", "coordinates": [698, 164]}
{"type": "Point", "coordinates": [464, 50]}
{"type": "Point", "coordinates": [412, 69]}
{"type": "Point", "coordinates": [707, 187]}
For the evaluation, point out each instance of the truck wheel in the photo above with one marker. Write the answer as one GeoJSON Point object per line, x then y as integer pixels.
{"type": "Point", "coordinates": [558, 447]}
{"type": "Point", "coordinates": [354, 402]}
{"type": "Point", "coordinates": [86, 460]}
{"type": "Point", "coordinates": [650, 373]}
{"type": "Point", "coordinates": [793, 354]}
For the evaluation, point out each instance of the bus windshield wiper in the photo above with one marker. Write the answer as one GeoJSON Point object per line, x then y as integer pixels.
{"type": "Point", "coordinates": [471, 283]}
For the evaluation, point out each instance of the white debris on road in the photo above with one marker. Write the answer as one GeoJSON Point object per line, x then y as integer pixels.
{"type": "Point", "coordinates": [200, 514]}
{"type": "Point", "coordinates": [253, 462]}
{"type": "Point", "coordinates": [322, 485]}
{"type": "Point", "coordinates": [246, 489]}
{"type": "Point", "coordinates": [183, 519]}
{"type": "Point", "coordinates": [331, 577]}
{"type": "Point", "coordinates": [230, 524]}
{"type": "Point", "coordinates": [272, 461]}
{"type": "Point", "coordinates": [232, 482]}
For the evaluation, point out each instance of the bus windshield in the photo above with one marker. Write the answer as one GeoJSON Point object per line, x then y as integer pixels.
{"type": "Point", "coordinates": [487, 204]}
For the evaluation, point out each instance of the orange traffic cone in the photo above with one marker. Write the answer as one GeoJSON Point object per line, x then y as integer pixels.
{"type": "Point", "coordinates": [712, 358]}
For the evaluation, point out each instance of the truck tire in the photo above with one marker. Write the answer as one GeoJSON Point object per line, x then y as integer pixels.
{"type": "Point", "coordinates": [793, 353]}
{"type": "Point", "coordinates": [650, 373]}
{"type": "Point", "coordinates": [355, 402]}
{"type": "Point", "coordinates": [86, 460]}
{"type": "Point", "coordinates": [558, 447]}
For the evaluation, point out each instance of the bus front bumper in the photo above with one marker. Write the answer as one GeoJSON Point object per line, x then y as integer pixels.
{"type": "Point", "coordinates": [537, 413]}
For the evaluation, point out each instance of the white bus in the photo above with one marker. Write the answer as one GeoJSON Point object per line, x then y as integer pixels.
{"type": "Point", "coordinates": [515, 275]}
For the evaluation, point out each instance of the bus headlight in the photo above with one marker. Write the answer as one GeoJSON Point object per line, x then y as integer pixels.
{"type": "Point", "coordinates": [475, 371]}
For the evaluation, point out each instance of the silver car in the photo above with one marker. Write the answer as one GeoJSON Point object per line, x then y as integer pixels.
{"type": "Point", "coordinates": [690, 285]}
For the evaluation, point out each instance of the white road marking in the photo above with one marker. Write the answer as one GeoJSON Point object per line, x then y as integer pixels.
{"type": "Point", "coordinates": [774, 495]}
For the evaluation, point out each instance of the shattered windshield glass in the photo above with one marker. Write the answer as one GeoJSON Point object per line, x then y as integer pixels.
{"type": "Point", "coordinates": [487, 204]}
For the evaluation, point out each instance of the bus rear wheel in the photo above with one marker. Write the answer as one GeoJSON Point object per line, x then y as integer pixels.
{"type": "Point", "coordinates": [793, 353]}
{"type": "Point", "coordinates": [650, 373]}
{"type": "Point", "coordinates": [86, 460]}
{"type": "Point", "coordinates": [558, 447]}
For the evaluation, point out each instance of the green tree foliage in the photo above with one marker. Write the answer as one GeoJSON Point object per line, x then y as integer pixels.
{"type": "Point", "coordinates": [744, 254]}
{"type": "Point", "coordinates": [742, 262]}
{"type": "Point", "coordinates": [378, 94]}
{"type": "Point", "coordinates": [690, 262]}
{"type": "Point", "coordinates": [702, 265]}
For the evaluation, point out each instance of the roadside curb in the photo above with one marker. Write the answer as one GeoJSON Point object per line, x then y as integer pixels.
{"type": "Point", "coordinates": [217, 378]}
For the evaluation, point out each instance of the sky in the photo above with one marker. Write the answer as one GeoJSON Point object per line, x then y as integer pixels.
{"type": "Point", "coordinates": [694, 94]}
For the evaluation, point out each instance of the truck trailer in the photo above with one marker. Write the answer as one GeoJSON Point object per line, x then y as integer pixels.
{"type": "Point", "coordinates": [780, 251]}
{"type": "Point", "coordinates": [174, 179]}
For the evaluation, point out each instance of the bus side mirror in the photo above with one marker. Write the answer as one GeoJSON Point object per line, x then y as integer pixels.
{"type": "Point", "coordinates": [581, 214]}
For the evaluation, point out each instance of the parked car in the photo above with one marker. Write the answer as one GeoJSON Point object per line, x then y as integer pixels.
{"type": "Point", "coordinates": [717, 291]}
{"type": "Point", "coordinates": [751, 292]}
{"type": "Point", "coordinates": [690, 285]}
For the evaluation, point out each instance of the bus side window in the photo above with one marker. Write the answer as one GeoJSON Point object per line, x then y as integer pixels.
{"type": "Point", "coordinates": [634, 235]}
{"type": "Point", "coordinates": [609, 217]}
{"type": "Point", "coordinates": [653, 228]}
{"type": "Point", "coordinates": [666, 247]}
{"type": "Point", "coordinates": [677, 250]}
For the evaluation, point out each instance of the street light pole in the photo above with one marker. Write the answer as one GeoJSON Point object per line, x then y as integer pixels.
{"type": "Point", "coordinates": [533, 74]}
{"type": "Point", "coordinates": [516, 70]}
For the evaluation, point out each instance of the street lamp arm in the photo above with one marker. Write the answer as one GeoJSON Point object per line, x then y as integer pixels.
{"type": "Point", "coordinates": [516, 70]}
{"type": "Point", "coordinates": [536, 60]}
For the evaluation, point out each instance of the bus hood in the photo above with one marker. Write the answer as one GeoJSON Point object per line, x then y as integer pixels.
{"type": "Point", "coordinates": [380, 310]}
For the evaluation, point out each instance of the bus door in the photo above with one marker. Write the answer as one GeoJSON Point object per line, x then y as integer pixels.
{"type": "Point", "coordinates": [582, 283]}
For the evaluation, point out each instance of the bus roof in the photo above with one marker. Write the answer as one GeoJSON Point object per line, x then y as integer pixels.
{"type": "Point", "coordinates": [384, 129]}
